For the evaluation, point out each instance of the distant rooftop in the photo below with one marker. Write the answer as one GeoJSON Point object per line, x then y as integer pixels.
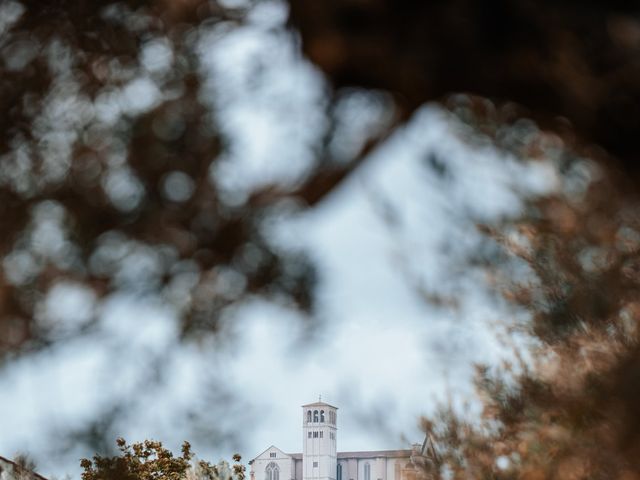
{"type": "Point", "coordinates": [319, 404]}
{"type": "Point", "coordinates": [365, 454]}
{"type": "Point", "coordinates": [18, 470]}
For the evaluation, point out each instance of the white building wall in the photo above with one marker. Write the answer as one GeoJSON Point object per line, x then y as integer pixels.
{"type": "Point", "coordinates": [352, 468]}
{"type": "Point", "coordinates": [381, 469]}
{"type": "Point", "coordinates": [390, 469]}
{"type": "Point", "coordinates": [298, 469]}
{"type": "Point", "coordinates": [284, 462]}
{"type": "Point", "coordinates": [319, 440]}
{"type": "Point", "coordinates": [10, 471]}
{"type": "Point", "coordinates": [361, 464]}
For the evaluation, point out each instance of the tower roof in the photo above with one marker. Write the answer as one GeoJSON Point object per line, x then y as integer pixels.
{"type": "Point", "coordinates": [319, 404]}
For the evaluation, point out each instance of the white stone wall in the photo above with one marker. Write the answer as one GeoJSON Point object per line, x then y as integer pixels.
{"type": "Point", "coordinates": [284, 462]}
{"type": "Point", "coordinates": [319, 446]}
{"type": "Point", "coordinates": [298, 469]}
{"type": "Point", "coordinates": [382, 468]}
{"type": "Point", "coordinates": [319, 442]}
{"type": "Point", "coordinates": [10, 471]}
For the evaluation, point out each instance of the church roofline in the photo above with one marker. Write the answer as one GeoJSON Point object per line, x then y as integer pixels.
{"type": "Point", "coordinates": [367, 454]}
{"type": "Point", "coordinates": [375, 454]}
{"type": "Point", "coordinates": [22, 469]}
{"type": "Point", "coordinates": [266, 450]}
{"type": "Point", "coordinates": [319, 404]}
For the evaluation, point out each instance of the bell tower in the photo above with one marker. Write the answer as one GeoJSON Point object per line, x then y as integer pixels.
{"type": "Point", "coordinates": [319, 436]}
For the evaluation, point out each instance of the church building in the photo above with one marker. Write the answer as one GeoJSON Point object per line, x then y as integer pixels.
{"type": "Point", "coordinates": [10, 470]}
{"type": "Point", "coordinates": [320, 459]}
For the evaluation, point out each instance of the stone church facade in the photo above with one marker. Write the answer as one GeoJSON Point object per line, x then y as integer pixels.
{"type": "Point", "coordinates": [10, 470]}
{"type": "Point", "coordinates": [320, 459]}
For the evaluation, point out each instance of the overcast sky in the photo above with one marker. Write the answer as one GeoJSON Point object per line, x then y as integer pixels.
{"type": "Point", "coordinates": [383, 355]}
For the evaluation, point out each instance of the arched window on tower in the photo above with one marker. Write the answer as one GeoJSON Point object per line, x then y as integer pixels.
{"type": "Point", "coordinates": [339, 472]}
{"type": "Point", "coordinates": [322, 416]}
{"type": "Point", "coordinates": [367, 471]}
{"type": "Point", "coordinates": [315, 416]}
{"type": "Point", "coordinates": [272, 472]}
{"type": "Point", "coordinates": [308, 416]}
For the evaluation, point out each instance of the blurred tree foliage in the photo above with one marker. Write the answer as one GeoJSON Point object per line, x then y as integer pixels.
{"type": "Point", "coordinates": [25, 462]}
{"type": "Point", "coordinates": [110, 148]}
{"type": "Point", "coordinates": [565, 63]}
{"type": "Point", "coordinates": [572, 260]}
{"type": "Point", "coordinates": [149, 460]}
{"type": "Point", "coordinates": [92, 170]}
{"type": "Point", "coordinates": [566, 408]}
{"type": "Point", "coordinates": [107, 156]}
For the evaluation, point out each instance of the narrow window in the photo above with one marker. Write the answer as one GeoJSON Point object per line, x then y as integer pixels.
{"type": "Point", "coordinates": [315, 434]}
{"type": "Point", "coordinates": [321, 434]}
{"type": "Point", "coordinates": [308, 415]}
{"type": "Point", "coordinates": [367, 471]}
{"type": "Point", "coordinates": [315, 416]}
{"type": "Point", "coordinates": [308, 434]}
{"type": "Point", "coordinates": [339, 472]}
{"type": "Point", "coordinates": [272, 472]}
{"type": "Point", "coordinates": [322, 416]}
